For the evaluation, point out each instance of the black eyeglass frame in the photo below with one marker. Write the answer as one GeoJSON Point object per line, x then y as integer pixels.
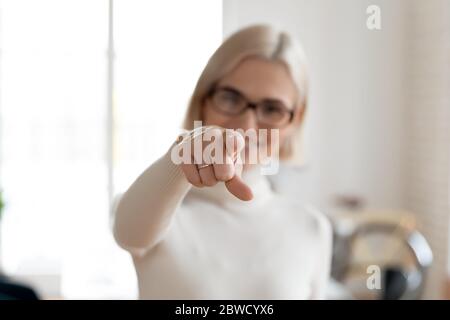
{"type": "Point", "coordinates": [249, 104]}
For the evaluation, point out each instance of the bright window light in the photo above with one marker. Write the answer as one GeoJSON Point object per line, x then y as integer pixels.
{"type": "Point", "coordinates": [54, 125]}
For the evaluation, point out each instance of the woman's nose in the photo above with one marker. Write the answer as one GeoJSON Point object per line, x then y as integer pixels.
{"type": "Point", "coordinates": [246, 121]}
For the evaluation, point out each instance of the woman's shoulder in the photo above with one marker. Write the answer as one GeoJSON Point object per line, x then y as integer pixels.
{"type": "Point", "coordinates": [302, 213]}
{"type": "Point", "coordinates": [293, 193]}
{"type": "Point", "coordinates": [320, 220]}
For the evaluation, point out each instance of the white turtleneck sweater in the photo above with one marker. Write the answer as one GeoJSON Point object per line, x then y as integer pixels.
{"type": "Point", "coordinates": [203, 243]}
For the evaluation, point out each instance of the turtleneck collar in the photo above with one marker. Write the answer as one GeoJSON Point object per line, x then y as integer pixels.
{"type": "Point", "coordinates": [258, 183]}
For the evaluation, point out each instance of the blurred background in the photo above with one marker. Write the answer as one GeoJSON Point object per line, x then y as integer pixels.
{"type": "Point", "coordinates": [92, 92]}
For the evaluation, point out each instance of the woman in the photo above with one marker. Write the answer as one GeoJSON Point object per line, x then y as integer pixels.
{"type": "Point", "coordinates": [203, 231]}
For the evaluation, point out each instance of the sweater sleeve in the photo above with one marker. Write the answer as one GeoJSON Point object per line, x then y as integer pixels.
{"type": "Point", "coordinates": [146, 209]}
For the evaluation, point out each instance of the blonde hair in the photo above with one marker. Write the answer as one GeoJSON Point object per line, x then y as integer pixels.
{"type": "Point", "coordinates": [255, 41]}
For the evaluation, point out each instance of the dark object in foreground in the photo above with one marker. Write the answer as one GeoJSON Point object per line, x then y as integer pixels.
{"type": "Point", "coordinates": [10, 290]}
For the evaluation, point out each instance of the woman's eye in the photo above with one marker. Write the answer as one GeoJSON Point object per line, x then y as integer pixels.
{"type": "Point", "coordinates": [231, 98]}
{"type": "Point", "coordinates": [271, 109]}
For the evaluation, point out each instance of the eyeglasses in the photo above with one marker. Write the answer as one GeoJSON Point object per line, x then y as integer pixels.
{"type": "Point", "coordinates": [270, 112]}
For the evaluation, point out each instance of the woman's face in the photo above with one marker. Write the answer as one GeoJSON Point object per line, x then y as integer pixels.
{"type": "Point", "coordinates": [256, 80]}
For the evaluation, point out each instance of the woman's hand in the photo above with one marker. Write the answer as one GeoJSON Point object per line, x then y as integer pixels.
{"type": "Point", "coordinates": [213, 157]}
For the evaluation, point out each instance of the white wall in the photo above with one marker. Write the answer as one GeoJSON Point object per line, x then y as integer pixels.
{"type": "Point", "coordinates": [428, 145]}
{"type": "Point", "coordinates": [379, 125]}
{"type": "Point", "coordinates": [357, 105]}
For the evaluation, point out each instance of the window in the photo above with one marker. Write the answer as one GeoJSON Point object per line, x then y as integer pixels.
{"type": "Point", "coordinates": [79, 124]}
